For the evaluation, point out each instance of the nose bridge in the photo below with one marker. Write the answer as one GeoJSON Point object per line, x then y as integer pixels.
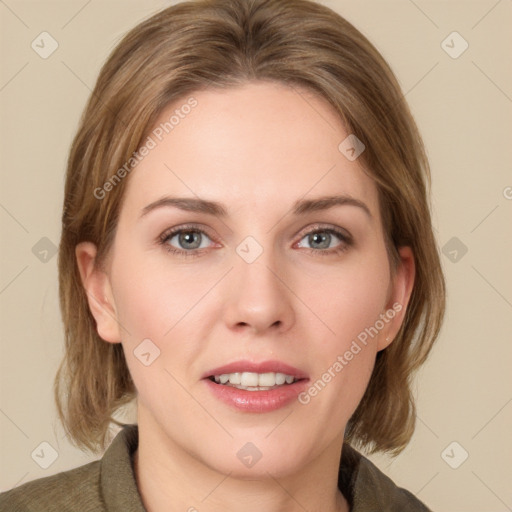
{"type": "Point", "coordinates": [259, 298]}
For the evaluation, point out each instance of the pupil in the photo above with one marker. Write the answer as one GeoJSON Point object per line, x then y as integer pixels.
{"type": "Point", "coordinates": [319, 238]}
{"type": "Point", "coordinates": [189, 238]}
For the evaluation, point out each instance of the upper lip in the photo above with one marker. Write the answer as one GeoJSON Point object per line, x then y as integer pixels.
{"type": "Point", "coordinates": [261, 367]}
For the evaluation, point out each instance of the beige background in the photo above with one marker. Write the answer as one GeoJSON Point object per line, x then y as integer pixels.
{"type": "Point", "coordinates": [463, 107]}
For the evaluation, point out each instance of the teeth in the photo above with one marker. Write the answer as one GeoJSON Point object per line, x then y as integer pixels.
{"type": "Point", "coordinates": [249, 379]}
{"type": "Point", "coordinates": [280, 379]}
{"type": "Point", "coordinates": [265, 379]}
{"type": "Point", "coordinates": [235, 378]}
{"type": "Point", "coordinates": [253, 381]}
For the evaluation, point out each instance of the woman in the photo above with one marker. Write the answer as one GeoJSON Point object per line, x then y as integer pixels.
{"type": "Point", "coordinates": [247, 250]}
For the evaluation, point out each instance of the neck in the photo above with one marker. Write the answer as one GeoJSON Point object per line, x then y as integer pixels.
{"type": "Point", "coordinates": [171, 479]}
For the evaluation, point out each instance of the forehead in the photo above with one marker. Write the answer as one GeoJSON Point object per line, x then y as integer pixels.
{"type": "Point", "coordinates": [252, 147]}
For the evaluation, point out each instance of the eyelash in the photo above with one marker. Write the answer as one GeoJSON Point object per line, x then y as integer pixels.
{"type": "Point", "coordinates": [346, 241]}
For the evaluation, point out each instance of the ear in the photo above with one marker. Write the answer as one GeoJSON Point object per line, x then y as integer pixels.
{"type": "Point", "coordinates": [98, 288]}
{"type": "Point", "coordinates": [400, 292]}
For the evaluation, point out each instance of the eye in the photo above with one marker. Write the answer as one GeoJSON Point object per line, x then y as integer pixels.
{"type": "Point", "coordinates": [185, 240]}
{"type": "Point", "coordinates": [191, 241]}
{"type": "Point", "coordinates": [321, 240]}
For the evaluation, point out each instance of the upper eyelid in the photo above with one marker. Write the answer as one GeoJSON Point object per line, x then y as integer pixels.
{"type": "Point", "coordinates": [324, 227]}
{"type": "Point", "coordinates": [178, 229]}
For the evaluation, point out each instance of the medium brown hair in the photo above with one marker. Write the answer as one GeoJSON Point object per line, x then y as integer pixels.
{"type": "Point", "coordinates": [224, 43]}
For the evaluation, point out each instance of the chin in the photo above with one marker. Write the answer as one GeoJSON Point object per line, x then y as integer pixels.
{"type": "Point", "coordinates": [261, 470]}
{"type": "Point", "coordinates": [244, 459]}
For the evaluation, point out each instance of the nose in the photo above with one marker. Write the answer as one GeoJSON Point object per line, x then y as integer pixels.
{"type": "Point", "coordinates": [259, 297]}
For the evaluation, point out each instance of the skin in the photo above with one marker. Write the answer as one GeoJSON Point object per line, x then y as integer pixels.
{"type": "Point", "coordinates": [257, 149]}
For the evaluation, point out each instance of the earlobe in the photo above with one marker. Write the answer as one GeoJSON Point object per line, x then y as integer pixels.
{"type": "Point", "coordinates": [97, 286]}
{"type": "Point", "coordinates": [402, 286]}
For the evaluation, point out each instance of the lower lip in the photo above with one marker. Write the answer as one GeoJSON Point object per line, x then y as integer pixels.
{"type": "Point", "coordinates": [257, 401]}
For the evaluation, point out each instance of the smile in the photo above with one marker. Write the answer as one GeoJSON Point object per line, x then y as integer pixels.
{"type": "Point", "coordinates": [251, 381]}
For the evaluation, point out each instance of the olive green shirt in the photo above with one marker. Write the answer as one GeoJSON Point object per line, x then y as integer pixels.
{"type": "Point", "coordinates": [109, 485]}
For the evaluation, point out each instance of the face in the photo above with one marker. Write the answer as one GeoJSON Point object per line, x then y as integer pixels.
{"type": "Point", "coordinates": [267, 281]}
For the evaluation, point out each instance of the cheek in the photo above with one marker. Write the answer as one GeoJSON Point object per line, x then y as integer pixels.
{"type": "Point", "coordinates": [160, 303]}
{"type": "Point", "coordinates": [348, 299]}
{"type": "Point", "coordinates": [151, 300]}
{"type": "Point", "coordinates": [152, 308]}
{"type": "Point", "coordinates": [357, 295]}
{"type": "Point", "coordinates": [143, 309]}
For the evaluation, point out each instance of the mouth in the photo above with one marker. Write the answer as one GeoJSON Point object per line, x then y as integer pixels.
{"type": "Point", "coordinates": [256, 387]}
{"type": "Point", "coordinates": [252, 381]}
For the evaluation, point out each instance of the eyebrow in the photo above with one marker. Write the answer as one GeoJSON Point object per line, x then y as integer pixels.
{"type": "Point", "coordinates": [300, 207]}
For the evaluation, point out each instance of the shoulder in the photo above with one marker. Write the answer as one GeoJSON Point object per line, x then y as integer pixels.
{"type": "Point", "coordinates": [58, 493]}
{"type": "Point", "coordinates": [369, 489]}
{"type": "Point", "coordinates": [105, 484]}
